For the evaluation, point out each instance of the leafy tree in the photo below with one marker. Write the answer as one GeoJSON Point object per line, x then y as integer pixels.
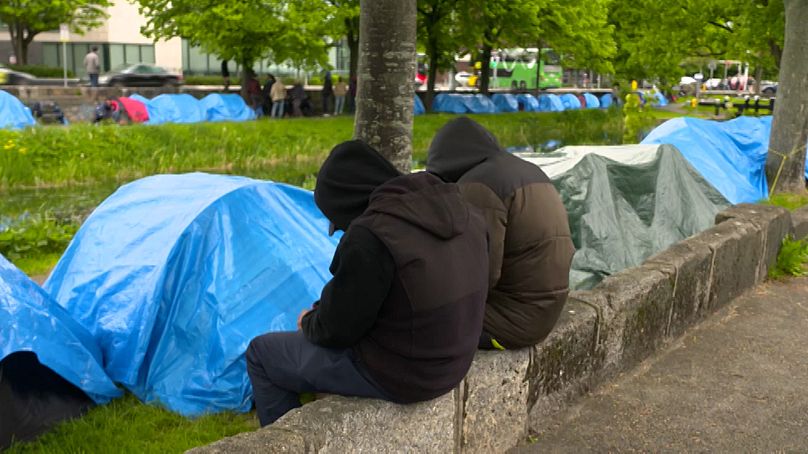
{"type": "Point", "coordinates": [245, 30]}
{"type": "Point", "coordinates": [785, 163]}
{"type": "Point", "coordinates": [385, 91]}
{"type": "Point", "coordinates": [496, 24]}
{"type": "Point", "coordinates": [346, 18]}
{"type": "Point", "coordinates": [578, 30]}
{"type": "Point", "coordinates": [438, 32]}
{"type": "Point", "coordinates": [654, 38]}
{"type": "Point", "coordinates": [27, 18]}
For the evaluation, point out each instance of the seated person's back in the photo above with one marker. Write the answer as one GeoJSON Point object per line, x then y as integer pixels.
{"type": "Point", "coordinates": [530, 245]}
{"type": "Point", "coordinates": [401, 317]}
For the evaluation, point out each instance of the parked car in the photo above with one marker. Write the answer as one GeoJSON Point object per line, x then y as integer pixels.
{"type": "Point", "coordinates": [9, 76]}
{"type": "Point", "coordinates": [462, 78]}
{"type": "Point", "coordinates": [769, 89]}
{"type": "Point", "coordinates": [138, 75]}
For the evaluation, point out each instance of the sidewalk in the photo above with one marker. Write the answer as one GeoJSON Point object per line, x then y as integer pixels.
{"type": "Point", "coordinates": [738, 382]}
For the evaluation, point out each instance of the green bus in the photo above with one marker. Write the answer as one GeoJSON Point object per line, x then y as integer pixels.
{"type": "Point", "coordinates": [517, 70]}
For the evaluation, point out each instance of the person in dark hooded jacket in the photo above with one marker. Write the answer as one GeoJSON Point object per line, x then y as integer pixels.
{"type": "Point", "coordinates": [400, 318]}
{"type": "Point", "coordinates": [530, 245]}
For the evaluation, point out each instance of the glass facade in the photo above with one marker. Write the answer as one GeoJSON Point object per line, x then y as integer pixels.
{"type": "Point", "coordinates": [196, 61]}
{"type": "Point", "coordinates": [111, 55]}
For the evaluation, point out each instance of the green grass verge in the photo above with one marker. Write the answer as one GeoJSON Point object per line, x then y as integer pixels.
{"type": "Point", "coordinates": [787, 200]}
{"type": "Point", "coordinates": [290, 150]}
{"type": "Point", "coordinates": [126, 425]}
{"type": "Point", "coordinates": [791, 259]}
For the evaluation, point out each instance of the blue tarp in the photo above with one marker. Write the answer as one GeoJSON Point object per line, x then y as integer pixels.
{"type": "Point", "coordinates": [528, 102]}
{"type": "Point", "coordinates": [479, 104]}
{"type": "Point", "coordinates": [661, 100]}
{"type": "Point", "coordinates": [606, 100]}
{"type": "Point", "coordinates": [570, 101]}
{"type": "Point", "coordinates": [550, 103]}
{"type": "Point", "coordinates": [171, 108]}
{"type": "Point", "coordinates": [31, 321]}
{"type": "Point", "coordinates": [592, 101]}
{"type": "Point", "coordinates": [449, 103]}
{"type": "Point", "coordinates": [731, 155]}
{"type": "Point", "coordinates": [174, 274]}
{"type": "Point", "coordinates": [505, 102]}
{"type": "Point", "coordinates": [13, 113]}
{"type": "Point", "coordinates": [227, 107]}
{"type": "Point", "coordinates": [418, 108]}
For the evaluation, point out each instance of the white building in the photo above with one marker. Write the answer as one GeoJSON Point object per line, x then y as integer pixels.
{"type": "Point", "coordinates": [120, 42]}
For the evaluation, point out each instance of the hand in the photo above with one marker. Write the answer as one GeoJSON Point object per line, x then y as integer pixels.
{"type": "Point", "coordinates": [300, 318]}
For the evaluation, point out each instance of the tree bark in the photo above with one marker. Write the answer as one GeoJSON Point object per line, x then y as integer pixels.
{"type": "Point", "coordinates": [785, 163]}
{"type": "Point", "coordinates": [385, 88]}
{"type": "Point", "coordinates": [352, 36]}
{"type": "Point", "coordinates": [485, 69]}
{"type": "Point", "coordinates": [538, 68]}
{"type": "Point", "coordinates": [432, 74]}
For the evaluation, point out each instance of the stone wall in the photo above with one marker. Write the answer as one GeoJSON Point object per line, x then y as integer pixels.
{"type": "Point", "coordinates": [602, 332]}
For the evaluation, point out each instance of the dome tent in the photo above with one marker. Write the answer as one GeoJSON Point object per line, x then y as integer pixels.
{"type": "Point", "coordinates": [226, 107]}
{"type": "Point", "coordinates": [13, 113]}
{"type": "Point", "coordinates": [174, 274]}
{"type": "Point", "coordinates": [50, 367]}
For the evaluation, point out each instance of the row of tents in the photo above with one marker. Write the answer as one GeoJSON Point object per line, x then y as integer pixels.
{"type": "Point", "coordinates": [168, 280]}
{"type": "Point", "coordinates": [165, 108]}
{"type": "Point", "coordinates": [506, 102]}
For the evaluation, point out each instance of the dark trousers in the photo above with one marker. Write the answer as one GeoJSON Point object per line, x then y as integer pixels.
{"type": "Point", "coordinates": [93, 80]}
{"type": "Point", "coordinates": [282, 365]}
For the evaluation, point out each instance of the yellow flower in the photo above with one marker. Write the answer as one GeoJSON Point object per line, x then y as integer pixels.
{"type": "Point", "coordinates": [23, 150]}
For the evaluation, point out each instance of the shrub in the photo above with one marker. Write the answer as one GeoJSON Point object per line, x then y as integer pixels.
{"type": "Point", "coordinates": [42, 71]}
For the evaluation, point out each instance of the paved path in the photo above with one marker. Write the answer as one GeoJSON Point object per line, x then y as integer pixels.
{"type": "Point", "coordinates": [738, 382]}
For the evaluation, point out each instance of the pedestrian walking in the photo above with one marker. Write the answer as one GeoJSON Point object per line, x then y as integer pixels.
{"type": "Point", "coordinates": [340, 90]}
{"type": "Point", "coordinates": [328, 92]}
{"type": "Point", "coordinates": [91, 64]}
{"type": "Point", "coordinates": [278, 95]}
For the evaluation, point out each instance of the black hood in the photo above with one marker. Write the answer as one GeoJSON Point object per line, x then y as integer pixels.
{"type": "Point", "coordinates": [423, 200]}
{"type": "Point", "coordinates": [352, 171]}
{"type": "Point", "coordinates": [458, 146]}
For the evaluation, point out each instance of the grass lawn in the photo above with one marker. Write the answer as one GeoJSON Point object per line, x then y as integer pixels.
{"type": "Point", "coordinates": [126, 425]}
{"type": "Point", "coordinates": [287, 151]}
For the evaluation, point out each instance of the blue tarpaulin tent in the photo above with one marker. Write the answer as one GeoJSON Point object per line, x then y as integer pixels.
{"type": "Point", "coordinates": [592, 101]}
{"type": "Point", "coordinates": [418, 108]}
{"type": "Point", "coordinates": [606, 100]}
{"type": "Point", "coordinates": [505, 102]}
{"type": "Point", "coordinates": [226, 107]}
{"type": "Point", "coordinates": [550, 103]}
{"type": "Point", "coordinates": [32, 322]}
{"type": "Point", "coordinates": [174, 274]}
{"type": "Point", "coordinates": [449, 103]}
{"type": "Point", "coordinates": [570, 101]}
{"type": "Point", "coordinates": [528, 102]}
{"type": "Point", "coordinates": [479, 104]}
{"type": "Point", "coordinates": [172, 108]}
{"type": "Point", "coordinates": [13, 113]}
{"type": "Point", "coordinates": [730, 155]}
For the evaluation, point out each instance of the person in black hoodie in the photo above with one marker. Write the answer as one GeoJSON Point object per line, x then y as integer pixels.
{"type": "Point", "coordinates": [401, 316]}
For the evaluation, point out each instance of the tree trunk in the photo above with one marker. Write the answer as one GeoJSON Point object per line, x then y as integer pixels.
{"type": "Point", "coordinates": [432, 74]}
{"type": "Point", "coordinates": [785, 164]}
{"type": "Point", "coordinates": [22, 59]}
{"type": "Point", "coordinates": [538, 69]}
{"type": "Point", "coordinates": [385, 89]}
{"type": "Point", "coordinates": [485, 69]}
{"type": "Point", "coordinates": [245, 77]}
{"type": "Point", "coordinates": [352, 36]}
{"type": "Point", "coordinates": [776, 52]}
{"type": "Point", "coordinates": [758, 77]}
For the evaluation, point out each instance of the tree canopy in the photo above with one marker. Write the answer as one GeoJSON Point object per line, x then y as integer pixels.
{"type": "Point", "coordinates": [27, 18]}
{"type": "Point", "coordinates": [295, 31]}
